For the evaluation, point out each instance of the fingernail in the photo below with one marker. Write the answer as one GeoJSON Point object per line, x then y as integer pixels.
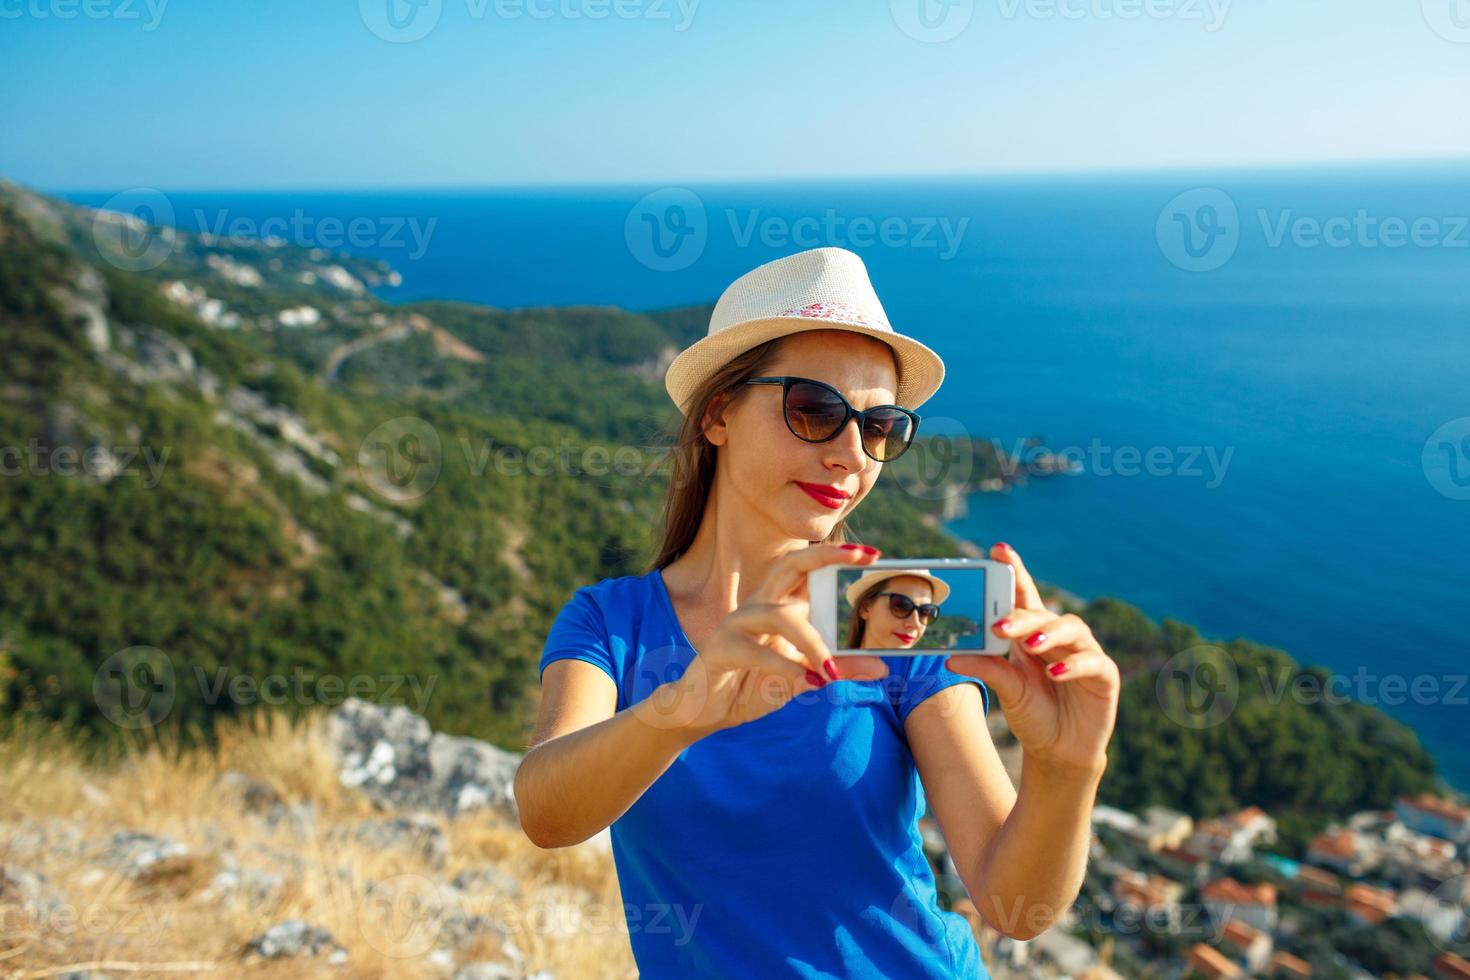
{"type": "Point", "coordinates": [1003, 546]}
{"type": "Point", "coordinates": [830, 668]}
{"type": "Point", "coordinates": [1035, 639]}
{"type": "Point", "coordinates": [853, 547]}
{"type": "Point", "coordinates": [869, 549]}
{"type": "Point", "coordinates": [813, 677]}
{"type": "Point", "coordinates": [1001, 624]}
{"type": "Point", "coordinates": [1057, 669]}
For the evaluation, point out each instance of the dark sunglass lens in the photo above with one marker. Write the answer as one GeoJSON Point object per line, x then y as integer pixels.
{"type": "Point", "coordinates": [813, 412]}
{"type": "Point", "coordinates": [901, 605]}
{"type": "Point", "coordinates": [928, 613]}
{"type": "Point", "coordinates": [887, 433]}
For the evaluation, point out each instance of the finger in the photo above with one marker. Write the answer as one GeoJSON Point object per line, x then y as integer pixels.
{"type": "Point", "coordinates": [1019, 623]}
{"type": "Point", "coordinates": [747, 653]}
{"type": "Point", "coordinates": [1082, 666]}
{"type": "Point", "coordinates": [1058, 638]}
{"type": "Point", "coordinates": [787, 577]}
{"type": "Point", "coordinates": [788, 622]}
{"type": "Point", "coordinates": [1027, 596]}
{"type": "Point", "coordinates": [1006, 679]}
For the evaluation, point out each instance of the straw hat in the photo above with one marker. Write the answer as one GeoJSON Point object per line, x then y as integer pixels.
{"type": "Point", "coordinates": [819, 289]}
{"type": "Point", "coordinates": [856, 589]}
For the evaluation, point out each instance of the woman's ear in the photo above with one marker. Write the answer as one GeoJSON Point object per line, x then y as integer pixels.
{"type": "Point", "coordinates": [713, 424]}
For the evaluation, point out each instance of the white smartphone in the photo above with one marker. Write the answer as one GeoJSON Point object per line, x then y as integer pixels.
{"type": "Point", "coordinates": [943, 606]}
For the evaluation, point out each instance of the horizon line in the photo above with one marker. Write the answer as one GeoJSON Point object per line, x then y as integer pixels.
{"type": "Point", "coordinates": [716, 181]}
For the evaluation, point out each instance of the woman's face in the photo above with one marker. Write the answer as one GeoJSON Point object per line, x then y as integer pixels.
{"type": "Point", "coordinates": [762, 467]}
{"type": "Point", "coordinates": [886, 630]}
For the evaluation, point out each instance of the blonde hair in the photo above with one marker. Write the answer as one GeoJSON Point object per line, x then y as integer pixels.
{"type": "Point", "coordinates": [694, 456]}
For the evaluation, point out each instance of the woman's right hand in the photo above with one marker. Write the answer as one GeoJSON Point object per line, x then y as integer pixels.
{"type": "Point", "coordinates": [765, 652]}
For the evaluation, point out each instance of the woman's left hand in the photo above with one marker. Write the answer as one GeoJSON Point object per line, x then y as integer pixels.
{"type": "Point", "coordinates": [1058, 689]}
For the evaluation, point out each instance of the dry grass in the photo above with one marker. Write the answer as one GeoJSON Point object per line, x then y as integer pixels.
{"type": "Point", "coordinates": [59, 809]}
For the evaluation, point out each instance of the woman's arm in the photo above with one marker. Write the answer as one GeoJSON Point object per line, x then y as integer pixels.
{"type": "Point", "coordinates": [1059, 691]}
{"type": "Point", "coordinates": [1021, 855]}
{"type": "Point", "coordinates": [588, 764]}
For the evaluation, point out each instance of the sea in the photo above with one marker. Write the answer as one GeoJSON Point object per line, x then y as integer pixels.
{"type": "Point", "coordinates": [1264, 374]}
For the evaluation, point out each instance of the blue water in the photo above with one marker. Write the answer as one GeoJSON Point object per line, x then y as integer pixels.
{"type": "Point", "coordinates": [1068, 308]}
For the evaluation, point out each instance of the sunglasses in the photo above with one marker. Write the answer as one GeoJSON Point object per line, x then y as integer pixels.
{"type": "Point", "coordinates": [816, 412]}
{"type": "Point", "coordinates": [901, 605]}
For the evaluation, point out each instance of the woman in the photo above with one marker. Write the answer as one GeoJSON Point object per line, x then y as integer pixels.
{"type": "Point", "coordinates": [913, 598]}
{"type": "Point", "coordinates": [752, 841]}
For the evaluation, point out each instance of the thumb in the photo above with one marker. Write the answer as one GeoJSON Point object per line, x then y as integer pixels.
{"type": "Point", "coordinates": [998, 673]}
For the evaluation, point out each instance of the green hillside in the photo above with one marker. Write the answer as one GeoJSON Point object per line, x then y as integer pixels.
{"type": "Point", "coordinates": [242, 504]}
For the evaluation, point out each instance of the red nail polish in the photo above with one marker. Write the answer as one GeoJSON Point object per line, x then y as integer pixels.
{"type": "Point", "coordinates": [1057, 669]}
{"type": "Point", "coordinates": [1034, 640]}
{"type": "Point", "coordinates": [1003, 546]}
{"type": "Point", "coordinates": [815, 678]}
{"type": "Point", "coordinates": [869, 549]}
{"type": "Point", "coordinates": [830, 668]}
{"type": "Point", "coordinates": [1001, 623]}
{"type": "Point", "coordinates": [853, 547]}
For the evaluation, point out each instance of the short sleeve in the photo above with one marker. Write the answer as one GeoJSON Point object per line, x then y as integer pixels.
{"type": "Point", "coordinates": [925, 676]}
{"type": "Point", "coordinates": [579, 632]}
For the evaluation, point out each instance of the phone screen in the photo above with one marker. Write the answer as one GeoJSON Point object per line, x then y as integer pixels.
{"type": "Point", "coordinates": [911, 610]}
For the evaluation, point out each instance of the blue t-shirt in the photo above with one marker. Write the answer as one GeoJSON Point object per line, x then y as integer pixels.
{"type": "Point", "coordinates": [785, 846]}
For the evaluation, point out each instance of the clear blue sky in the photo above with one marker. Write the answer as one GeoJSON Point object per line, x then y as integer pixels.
{"type": "Point", "coordinates": [183, 94]}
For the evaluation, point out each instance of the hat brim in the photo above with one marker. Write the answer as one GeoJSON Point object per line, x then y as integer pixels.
{"type": "Point", "coordinates": [858, 587]}
{"type": "Point", "coordinates": [920, 370]}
